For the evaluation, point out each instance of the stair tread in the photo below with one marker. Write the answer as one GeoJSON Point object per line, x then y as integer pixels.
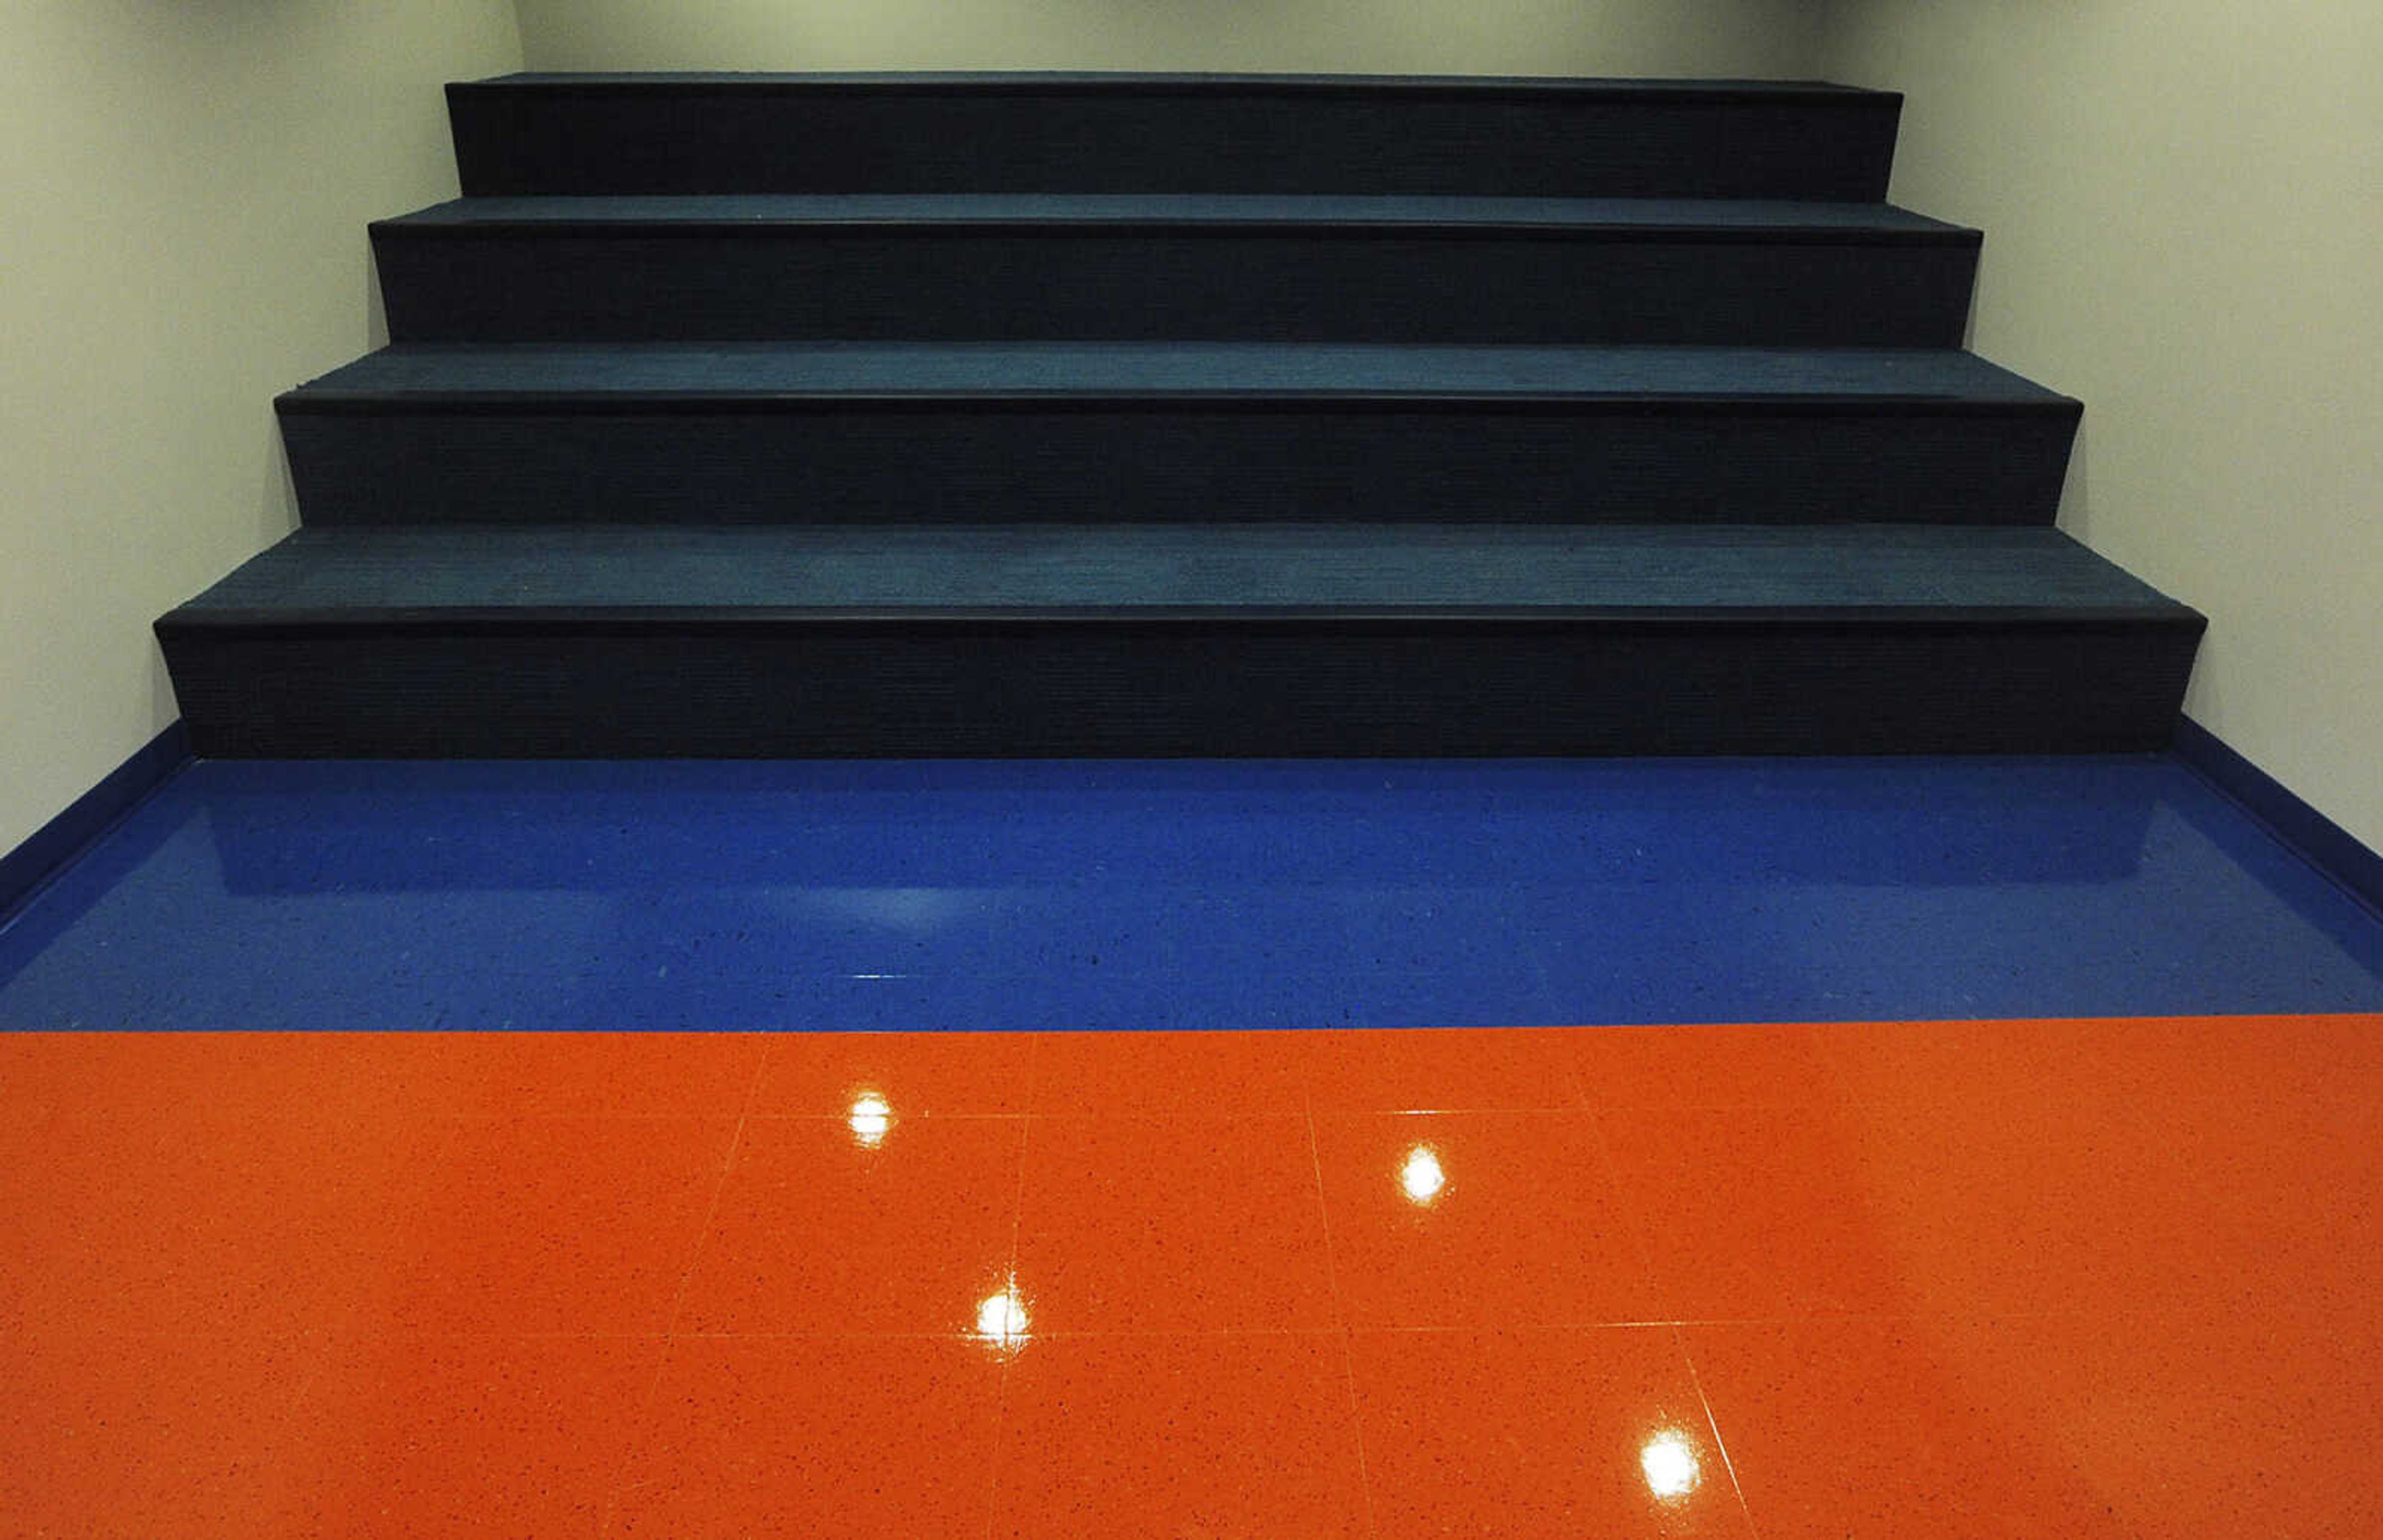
{"type": "Point", "coordinates": [729, 371]}
{"type": "Point", "coordinates": [1557, 303]}
{"type": "Point", "coordinates": [1121, 132]}
{"type": "Point", "coordinates": [1337, 571]}
{"type": "Point", "coordinates": [1710, 216]}
{"type": "Point", "coordinates": [1013, 83]}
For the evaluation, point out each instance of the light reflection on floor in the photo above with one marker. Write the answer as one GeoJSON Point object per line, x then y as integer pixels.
{"type": "Point", "coordinates": [2076, 1277]}
{"type": "Point", "coordinates": [1992, 1207]}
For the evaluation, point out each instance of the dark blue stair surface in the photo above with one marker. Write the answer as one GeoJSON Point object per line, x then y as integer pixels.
{"type": "Point", "coordinates": [1173, 432]}
{"type": "Point", "coordinates": [1089, 570]}
{"type": "Point", "coordinates": [1852, 377]}
{"type": "Point", "coordinates": [1171, 133]}
{"type": "Point", "coordinates": [1175, 415]}
{"type": "Point", "coordinates": [1646, 218]}
{"type": "Point", "coordinates": [1218, 266]}
{"type": "Point", "coordinates": [1266, 640]}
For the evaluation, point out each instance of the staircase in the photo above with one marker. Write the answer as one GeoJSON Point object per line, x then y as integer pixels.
{"type": "Point", "coordinates": [1053, 414]}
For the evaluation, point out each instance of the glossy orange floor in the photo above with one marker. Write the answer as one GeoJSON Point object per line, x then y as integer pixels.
{"type": "Point", "coordinates": [2056, 1278]}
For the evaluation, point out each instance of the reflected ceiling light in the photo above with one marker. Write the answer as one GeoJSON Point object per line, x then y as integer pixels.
{"type": "Point", "coordinates": [1001, 1320]}
{"type": "Point", "coordinates": [1669, 1461]}
{"type": "Point", "coordinates": [872, 1115]}
{"type": "Point", "coordinates": [1421, 1176]}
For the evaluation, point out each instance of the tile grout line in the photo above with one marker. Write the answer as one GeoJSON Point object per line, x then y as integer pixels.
{"type": "Point", "coordinates": [1341, 1309]}
{"type": "Point", "coordinates": [686, 1280]}
{"type": "Point", "coordinates": [346, 1327]}
{"type": "Point", "coordinates": [1009, 1353]}
{"type": "Point", "coordinates": [1586, 1324]}
{"type": "Point", "coordinates": [1679, 1333]}
{"type": "Point", "coordinates": [719, 1190]}
{"type": "Point", "coordinates": [1597, 1116]}
{"type": "Point", "coordinates": [1712, 1421]}
{"type": "Point", "coordinates": [284, 1429]}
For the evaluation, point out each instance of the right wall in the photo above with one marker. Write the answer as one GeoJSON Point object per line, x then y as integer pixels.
{"type": "Point", "coordinates": [2183, 209]}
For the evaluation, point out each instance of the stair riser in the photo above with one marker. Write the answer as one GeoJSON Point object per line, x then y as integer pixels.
{"type": "Point", "coordinates": [1189, 463]}
{"type": "Point", "coordinates": [532, 141]}
{"type": "Point", "coordinates": [547, 285]}
{"type": "Point", "coordinates": [1181, 688]}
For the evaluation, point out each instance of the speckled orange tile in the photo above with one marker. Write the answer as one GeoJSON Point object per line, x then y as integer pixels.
{"type": "Point", "coordinates": [1448, 1069]}
{"type": "Point", "coordinates": [1756, 1064]}
{"type": "Point", "coordinates": [2002, 1206]}
{"type": "Point", "coordinates": [2099, 1061]}
{"type": "Point", "coordinates": [2083, 1426]}
{"type": "Point", "coordinates": [404, 1436]}
{"type": "Point", "coordinates": [1169, 1224]}
{"type": "Point", "coordinates": [1218, 1434]}
{"type": "Point", "coordinates": [555, 1225]}
{"type": "Point", "coordinates": [138, 1074]}
{"type": "Point", "coordinates": [1599, 1430]}
{"type": "Point", "coordinates": [1964, 1062]}
{"type": "Point", "coordinates": [816, 1436]}
{"type": "Point", "coordinates": [1478, 1219]}
{"type": "Point", "coordinates": [2229, 1422]}
{"type": "Point", "coordinates": [2128, 1205]}
{"type": "Point", "coordinates": [167, 1436]}
{"type": "Point", "coordinates": [1762, 1211]}
{"type": "Point", "coordinates": [26, 1176]}
{"type": "Point", "coordinates": [194, 1222]}
{"type": "Point", "coordinates": [1210, 1073]}
{"type": "Point", "coordinates": [915, 1074]}
{"type": "Point", "coordinates": [552, 1074]}
{"type": "Point", "coordinates": [825, 1228]}
{"type": "Point", "coordinates": [2074, 1278]}
{"type": "Point", "coordinates": [1871, 1427]}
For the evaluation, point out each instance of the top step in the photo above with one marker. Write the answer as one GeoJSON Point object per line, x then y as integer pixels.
{"type": "Point", "coordinates": [535, 134]}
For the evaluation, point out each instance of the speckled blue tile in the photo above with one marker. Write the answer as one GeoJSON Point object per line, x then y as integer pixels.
{"type": "Point", "coordinates": [958, 894]}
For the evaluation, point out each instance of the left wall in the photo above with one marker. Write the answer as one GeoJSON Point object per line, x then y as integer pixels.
{"type": "Point", "coordinates": [185, 190]}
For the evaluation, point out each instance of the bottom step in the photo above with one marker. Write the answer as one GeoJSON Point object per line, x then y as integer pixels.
{"type": "Point", "coordinates": [1233, 640]}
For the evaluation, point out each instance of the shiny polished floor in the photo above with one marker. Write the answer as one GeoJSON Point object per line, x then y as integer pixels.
{"type": "Point", "coordinates": [1029, 896]}
{"type": "Point", "coordinates": [2073, 1278]}
{"type": "Point", "coordinates": [2103, 1268]}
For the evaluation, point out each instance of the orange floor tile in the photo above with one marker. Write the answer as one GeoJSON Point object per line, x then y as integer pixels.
{"type": "Point", "coordinates": [2073, 1278]}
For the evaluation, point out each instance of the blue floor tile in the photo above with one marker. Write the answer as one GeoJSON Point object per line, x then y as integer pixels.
{"type": "Point", "coordinates": [982, 895]}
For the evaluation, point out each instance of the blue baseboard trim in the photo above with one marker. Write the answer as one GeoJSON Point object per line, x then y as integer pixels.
{"type": "Point", "coordinates": [51, 847]}
{"type": "Point", "coordinates": [2322, 843]}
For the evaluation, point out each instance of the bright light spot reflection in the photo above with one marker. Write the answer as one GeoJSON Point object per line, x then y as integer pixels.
{"type": "Point", "coordinates": [1670, 1462]}
{"type": "Point", "coordinates": [1001, 1320]}
{"type": "Point", "coordinates": [1421, 1176]}
{"type": "Point", "coordinates": [872, 1115]}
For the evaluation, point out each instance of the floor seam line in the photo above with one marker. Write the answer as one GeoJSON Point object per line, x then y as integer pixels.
{"type": "Point", "coordinates": [1341, 1309]}
{"type": "Point", "coordinates": [1009, 1285]}
{"type": "Point", "coordinates": [686, 1280]}
{"type": "Point", "coordinates": [1678, 1331]}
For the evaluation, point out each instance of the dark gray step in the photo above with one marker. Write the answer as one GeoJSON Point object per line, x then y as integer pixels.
{"type": "Point", "coordinates": [1175, 432]}
{"type": "Point", "coordinates": [1345, 640]}
{"type": "Point", "coordinates": [511, 570]}
{"type": "Point", "coordinates": [1218, 268]}
{"type": "Point", "coordinates": [1171, 133]}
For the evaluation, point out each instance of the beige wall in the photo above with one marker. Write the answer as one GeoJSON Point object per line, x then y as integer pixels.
{"type": "Point", "coordinates": [2183, 208]}
{"type": "Point", "coordinates": [1761, 38]}
{"type": "Point", "coordinates": [183, 193]}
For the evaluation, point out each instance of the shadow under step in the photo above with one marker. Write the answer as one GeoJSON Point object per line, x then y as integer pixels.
{"type": "Point", "coordinates": [1241, 267]}
{"type": "Point", "coordinates": [587, 641]}
{"type": "Point", "coordinates": [591, 133]}
{"type": "Point", "coordinates": [1173, 432]}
